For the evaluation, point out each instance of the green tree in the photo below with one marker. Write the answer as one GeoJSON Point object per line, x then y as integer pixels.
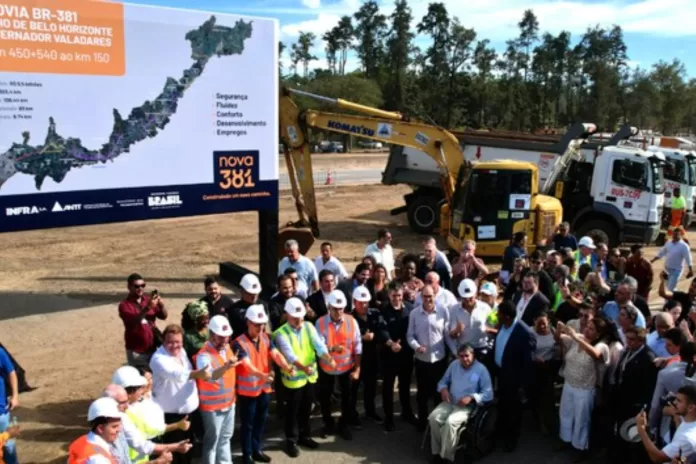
{"type": "Point", "coordinates": [529, 33]}
{"type": "Point", "coordinates": [671, 91]}
{"type": "Point", "coordinates": [301, 52]}
{"type": "Point", "coordinates": [484, 60]}
{"type": "Point", "coordinates": [281, 49]}
{"type": "Point", "coordinates": [399, 46]}
{"type": "Point", "coordinates": [344, 33]}
{"type": "Point", "coordinates": [436, 23]}
{"type": "Point", "coordinates": [331, 48]}
{"type": "Point", "coordinates": [370, 30]}
{"type": "Point", "coordinates": [459, 54]}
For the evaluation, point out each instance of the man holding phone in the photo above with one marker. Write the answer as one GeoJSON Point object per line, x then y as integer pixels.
{"type": "Point", "coordinates": [138, 313]}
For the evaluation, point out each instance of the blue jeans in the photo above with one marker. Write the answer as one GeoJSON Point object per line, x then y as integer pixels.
{"type": "Point", "coordinates": [219, 428]}
{"type": "Point", "coordinates": [253, 412]}
{"type": "Point", "coordinates": [673, 276]}
{"type": "Point", "coordinates": [10, 450]}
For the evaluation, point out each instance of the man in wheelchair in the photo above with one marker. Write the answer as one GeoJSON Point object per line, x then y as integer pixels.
{"type": "Point", "coordinates": [465, 385]}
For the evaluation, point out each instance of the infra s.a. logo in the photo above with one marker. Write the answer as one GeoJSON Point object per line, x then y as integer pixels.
{"type": "Point", "coordinates": [236, 170]}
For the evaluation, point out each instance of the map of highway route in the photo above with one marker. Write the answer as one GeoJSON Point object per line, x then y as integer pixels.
{"type": "Point", "coordinates": [58, 155]}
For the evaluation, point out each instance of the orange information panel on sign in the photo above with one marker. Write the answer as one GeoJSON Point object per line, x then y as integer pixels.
{"type": "Point", "coordinates": [62, 37]}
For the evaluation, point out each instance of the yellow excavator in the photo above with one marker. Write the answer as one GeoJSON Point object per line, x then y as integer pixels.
{"type": "Point", "coordinates": [485, 201]}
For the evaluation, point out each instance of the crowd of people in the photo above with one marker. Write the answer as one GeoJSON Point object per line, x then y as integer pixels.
{"type": "Point", "coordinates": [566, 334]}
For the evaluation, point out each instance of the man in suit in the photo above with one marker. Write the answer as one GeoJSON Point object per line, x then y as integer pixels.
{"type": "Point", "coordinates": [318, 300]}
{"type": "Point", "coordinates": [514, 349]}
{"type": "Point", "coordinates": [530, 302]}
{"type": "Point", "coordinates": [634, 379]}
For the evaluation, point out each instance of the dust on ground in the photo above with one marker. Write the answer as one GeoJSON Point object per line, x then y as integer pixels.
{"type": "Point", "coordinates": [59, 289]}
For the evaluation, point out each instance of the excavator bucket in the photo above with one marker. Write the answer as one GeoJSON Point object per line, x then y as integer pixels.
{"type": "Point", "coordinates": [303, 236]}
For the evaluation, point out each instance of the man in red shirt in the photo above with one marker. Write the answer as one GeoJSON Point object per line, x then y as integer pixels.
{"type": "Point", "coordinates": [138, 313]}
{"type": "Point", "coordinates": [640, 269]}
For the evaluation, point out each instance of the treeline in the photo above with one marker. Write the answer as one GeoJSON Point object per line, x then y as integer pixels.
{"type": "Point", "coordinates": [539, 81]}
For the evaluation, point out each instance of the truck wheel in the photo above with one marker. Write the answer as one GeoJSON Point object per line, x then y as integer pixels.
{"type": "Point", "coordinates": [423, 214]}
{"type": "Point", "coordinates": [600, 231]}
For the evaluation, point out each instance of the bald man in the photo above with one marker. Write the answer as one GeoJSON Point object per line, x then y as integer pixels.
{"type": "Point", "coordinates": [435, 260]}
{"type": "Point", "coordinates": [443, 297]}
{"type": "Point", "coordinates": [427, 331]}
{"type": "Point", "coordinates": [656, 340]}
{"type": "Point", "coordinates": [131, 437]}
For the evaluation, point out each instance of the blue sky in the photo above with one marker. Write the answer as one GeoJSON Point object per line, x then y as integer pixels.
{"type": "Point", "coordinates": [654, 29]}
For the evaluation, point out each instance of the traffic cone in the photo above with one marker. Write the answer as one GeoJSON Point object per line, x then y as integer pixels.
{"type": "Point", "coordinates": [329, 177]}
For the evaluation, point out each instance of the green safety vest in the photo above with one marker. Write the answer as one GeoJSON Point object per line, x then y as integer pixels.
{"type": "Point", "coordinates": [304, 350]}
{"type": "Point", "coordinates": [492, 319]}
{"type": "Point", "coordinates": [139, 422]}
{"type": "Point", "coordinates": [558, 298]}
{"type": "Point", "coordinates": [678, 203]}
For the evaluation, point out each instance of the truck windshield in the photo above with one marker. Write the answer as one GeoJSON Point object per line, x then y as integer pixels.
{"type": "Point", "coordinates": [657, 174]}
{"type": "Point", "coordinates": [692, 171]}
{"type": "Point", "coordinates": [675, 170]}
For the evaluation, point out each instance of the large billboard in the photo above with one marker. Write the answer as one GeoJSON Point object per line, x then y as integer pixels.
{"type": "Point", "coordinates": [117, 112]}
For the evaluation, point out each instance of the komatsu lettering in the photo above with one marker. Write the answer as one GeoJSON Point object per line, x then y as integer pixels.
{"type": "Point", "coordinates": [345, 127]}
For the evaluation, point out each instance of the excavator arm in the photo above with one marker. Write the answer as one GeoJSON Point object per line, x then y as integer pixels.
{"type": "Point", "coordinates": [370, 123]}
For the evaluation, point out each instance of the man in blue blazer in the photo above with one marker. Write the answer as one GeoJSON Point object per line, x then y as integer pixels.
{"type": "Point", "coordinates": [514, 349]}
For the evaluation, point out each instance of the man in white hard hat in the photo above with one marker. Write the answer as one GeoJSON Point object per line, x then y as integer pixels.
{"type": "Point", "coordinates": [341, 334]}
{"type": "Point", "coordinates": [373, 334]}
{"type": "Point", "coordinates": [250, 290]}
{"type": "Point", "coordinates": [217, 394]}
{"type": "Point", "coordinates": [468, 321]}
{"type": "Point", "coordinates": [301, 344]}
{"type": "Point", "coordinates": [256, 353]}
{"type": "Point", "coordinates": [122, 450]}
{"type": "Point", "coordinates": [585, 252]}
{"type": "Point", "coordinates": [127, 389]}
{"type": "Point", "coordinates": [105, 425]}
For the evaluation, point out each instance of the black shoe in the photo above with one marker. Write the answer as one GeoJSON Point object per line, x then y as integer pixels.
{"type": "Point", "coordinates": [389, 426]}
{"type": "Point", "coordinates": [356, 422]}
{"type": "Point", "coordinates": [329, 429]}
{"type": "Point", "coordinates": [436, 459]}
{"type": "Point", "coordinates": [247, 460]}
{"type": "Point", "coordinates": [346, 434]}
{"type": "Point", "coordinates": [308, 443]}
{"type": "Point", "coordinates": [376, 418]}
{"type": "Point", "coordinates": [409, 417]}
{"type": "Point", "coordinates": [291, 449]}
{"type": "Point", "coordinates": [261, 457]}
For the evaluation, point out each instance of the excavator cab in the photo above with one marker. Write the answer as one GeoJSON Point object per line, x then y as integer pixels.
{"type": "Point", "coordinates": [495, 200]}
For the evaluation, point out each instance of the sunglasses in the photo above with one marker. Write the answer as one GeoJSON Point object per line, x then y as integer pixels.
{"type": "Point", "coordinates": [140, 286]}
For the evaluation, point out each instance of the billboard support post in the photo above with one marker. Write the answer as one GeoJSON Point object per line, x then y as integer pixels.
{"type": "Point", "coordinates": [268, 256]}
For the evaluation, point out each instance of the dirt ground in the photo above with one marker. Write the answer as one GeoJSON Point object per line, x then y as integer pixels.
{"type": "Point", "coordinates": [60, 289]}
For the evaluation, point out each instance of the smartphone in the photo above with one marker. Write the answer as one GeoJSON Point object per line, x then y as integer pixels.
{"type": "Point", "coordinates": [154, 294]}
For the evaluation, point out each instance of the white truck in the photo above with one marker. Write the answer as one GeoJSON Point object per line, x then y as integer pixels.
{"type": "Point", "coordinates": [680, 172]}
{"type": "Point", "coordinates": [612, 193]}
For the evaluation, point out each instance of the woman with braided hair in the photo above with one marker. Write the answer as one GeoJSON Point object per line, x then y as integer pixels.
{"type": "Point", "coordinates": [196, 335]}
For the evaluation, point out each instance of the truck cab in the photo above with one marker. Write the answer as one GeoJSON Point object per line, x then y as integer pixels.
{"type": "Point", "coordinates": [679, 172]}
{"type": "Point", "coordinates": [615, 194]}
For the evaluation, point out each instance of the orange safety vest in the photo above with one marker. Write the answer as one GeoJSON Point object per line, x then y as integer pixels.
{"type": "Point", "coordinates": [216, 395]}
{"type": "Point", "coordinates": [81, 450]}
{"type": "Point", "coordinates": [343, 337]}
{"type": "Point", "coordinates": [247, 383]}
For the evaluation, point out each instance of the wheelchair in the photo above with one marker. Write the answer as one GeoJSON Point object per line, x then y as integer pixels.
{"type": "Point", "coordinates": [476, 437]}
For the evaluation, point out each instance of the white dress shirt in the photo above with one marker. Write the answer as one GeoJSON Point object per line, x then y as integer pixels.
{"type": "Point", "coordinates": [428, 330]}
{"type": "Point", "coordinates": [474, 323]}
{"type": "Point", "coordinates": [171, 387]}
{"type": "Point", "coordinates": [383, 256]}
{"type": "Point", "coordinates": [334, 265]}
